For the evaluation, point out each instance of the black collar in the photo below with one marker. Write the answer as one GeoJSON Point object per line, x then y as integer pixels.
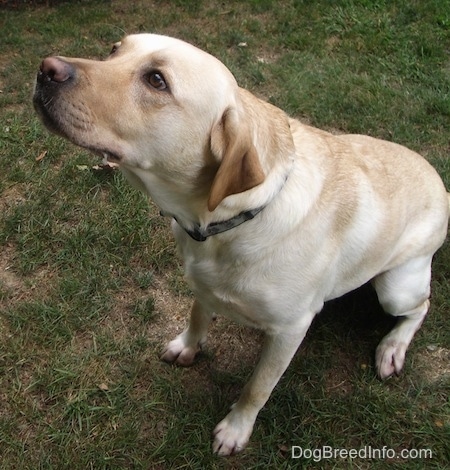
{"type": "Point", "coordinates": [201, 234]}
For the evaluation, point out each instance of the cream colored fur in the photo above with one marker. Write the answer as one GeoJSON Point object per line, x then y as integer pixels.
{"type": "Point", "coordinates": [339, 210]}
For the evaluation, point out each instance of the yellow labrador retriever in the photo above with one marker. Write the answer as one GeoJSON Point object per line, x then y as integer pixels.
{"type": "Point", "coordinates": [272, 217]}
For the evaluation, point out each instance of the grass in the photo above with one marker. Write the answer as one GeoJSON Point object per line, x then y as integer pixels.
{"type": "Point", "coordinates": [91, 288]}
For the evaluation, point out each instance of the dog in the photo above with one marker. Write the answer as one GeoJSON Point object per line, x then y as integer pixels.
{"type": "Point", "coordinates": [272, 217]}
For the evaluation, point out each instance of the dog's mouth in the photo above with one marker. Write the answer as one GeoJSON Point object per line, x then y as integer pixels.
{"type": "Point", "coordinates": [108, 158]}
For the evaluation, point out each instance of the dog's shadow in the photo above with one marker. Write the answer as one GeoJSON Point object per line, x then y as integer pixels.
{"type": "Point", "coordinates": [340, 343]}
{"type": "Point", "coordinates": [345, 334]}
{"type": "Point", "coordinates": [357, 313]}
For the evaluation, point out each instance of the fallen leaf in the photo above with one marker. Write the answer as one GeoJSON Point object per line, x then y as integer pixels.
{"type": "Point", "coordinates": [108, 166]}
{"type": "Point", "coordinates": [41, 156]}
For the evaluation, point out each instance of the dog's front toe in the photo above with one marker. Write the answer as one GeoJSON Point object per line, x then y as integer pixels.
{"type": "Point", "coordinates": [179, 352]}
{"type": "Point", "coordinates": [232, 434]}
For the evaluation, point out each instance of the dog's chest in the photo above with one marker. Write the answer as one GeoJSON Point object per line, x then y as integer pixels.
{"type": "Point", "coordinates": [224, 283]}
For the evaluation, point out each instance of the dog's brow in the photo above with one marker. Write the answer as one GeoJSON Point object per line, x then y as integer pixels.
{"type": "Point", "coordinates": [157, 61]}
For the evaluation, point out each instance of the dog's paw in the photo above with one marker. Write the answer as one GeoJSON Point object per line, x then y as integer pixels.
{"type": "Point", "coordinates": [390, 357]}
{"type": "Point", "coordinates": [180, 352]}
{"type": "Point", "coordinates": [232, 434]}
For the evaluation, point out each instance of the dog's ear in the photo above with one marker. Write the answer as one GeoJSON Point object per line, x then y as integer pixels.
{"type": "Point", "coordinates": [239, 168]}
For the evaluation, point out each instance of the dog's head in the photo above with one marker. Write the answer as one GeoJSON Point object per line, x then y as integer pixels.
{"type": "Point", "coordinates": [159, 105]}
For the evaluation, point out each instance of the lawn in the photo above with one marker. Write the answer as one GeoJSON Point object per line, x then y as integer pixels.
{"type": "Point", "coordinates": [91, 287]}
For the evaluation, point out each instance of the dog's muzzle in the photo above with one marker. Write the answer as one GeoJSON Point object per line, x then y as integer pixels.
{"type": "Point", "coordinates": [54, 76]}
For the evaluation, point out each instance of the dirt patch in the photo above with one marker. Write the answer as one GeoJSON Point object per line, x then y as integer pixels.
{"type": "Point", "coordinates": [17, 288]}
{"type": "Point", "coordinates": [234, 346]}
{"type": "Point", "coordinates": [5, 334]}
{"type": "Point", "coordinates": [172, 311]}
{"type": "Point", "coordinates": [338, 381]}
{"type": "Point", "coordinates": [11, 197]}
{"type": "Point", "coordinates": [433, 364]}
{"type": "Point", "coordinates": [231, 345]}
{"type": "Point", "coordinates": [8, 279]}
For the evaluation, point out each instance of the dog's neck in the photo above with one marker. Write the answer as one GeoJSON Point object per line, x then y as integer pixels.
{"type": "Point", "coordinates": [198, 227]}
{"type": "Point", "coordinates": [185, 195]}
{"type": "Point", "coordinates": [192, 213]}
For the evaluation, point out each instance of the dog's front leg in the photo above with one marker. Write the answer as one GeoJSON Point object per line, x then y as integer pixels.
{"type": "Point", "coordinates": [186, 345]}
{"type": "Point", "coordinates": [233, 432]}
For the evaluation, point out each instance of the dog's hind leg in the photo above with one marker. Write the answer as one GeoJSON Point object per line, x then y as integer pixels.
{"type": "Point", "coordinates": [403, 292]}
{"type": "Point", "coordinates": [183, 349]}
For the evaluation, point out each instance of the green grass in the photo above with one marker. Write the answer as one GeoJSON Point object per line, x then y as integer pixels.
{"type": "Point", "coordinates": [91, 288]}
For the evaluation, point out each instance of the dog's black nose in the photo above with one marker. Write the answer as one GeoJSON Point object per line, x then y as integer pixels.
{"type": "Point", "coordinates": [54, 69]}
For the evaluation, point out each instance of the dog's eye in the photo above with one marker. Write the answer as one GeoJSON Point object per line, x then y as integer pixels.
{"type": "Point", "coordinates": [156, 80]}
{"type": "Point", "coordinates": [114, 48]}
